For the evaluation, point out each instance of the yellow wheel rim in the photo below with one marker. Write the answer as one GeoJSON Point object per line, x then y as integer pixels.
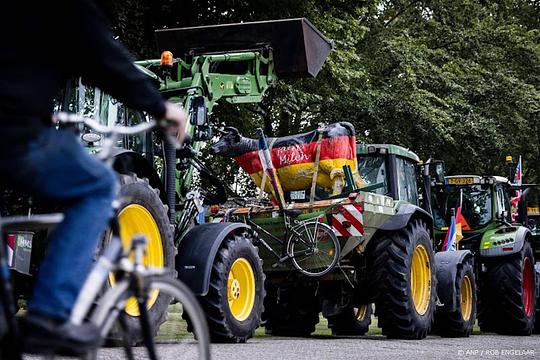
{"type": "Point", "coordinates": [466, 298]}
{"type": "Point", "coordinates": [241, 289]}
{"type": "Point", "coordinates": [421, 279]}
{"type": "Point", "coordinates": [135, 219]}
{"type": "Point", "coordinates": [361, 312]}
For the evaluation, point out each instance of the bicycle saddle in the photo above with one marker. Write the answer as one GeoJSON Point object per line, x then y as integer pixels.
{"type": "Point", "coordinates": [292, 212]}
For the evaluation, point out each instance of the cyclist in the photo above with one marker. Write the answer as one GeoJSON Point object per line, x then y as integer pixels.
{"type": "Point", "coordinates": [43, 44]}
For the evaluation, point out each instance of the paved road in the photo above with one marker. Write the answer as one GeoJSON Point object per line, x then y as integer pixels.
{"type": "Point", "coordinates": [366, 347]}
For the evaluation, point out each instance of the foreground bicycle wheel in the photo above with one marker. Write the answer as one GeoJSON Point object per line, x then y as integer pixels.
{"type": "Point", "coordinates": [314, 248]}
{"type": "Point", "coordinates": [173, 339]}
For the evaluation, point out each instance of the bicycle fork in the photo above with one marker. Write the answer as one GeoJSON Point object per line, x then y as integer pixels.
{"type": "Point", "coordinates": [146, 328]}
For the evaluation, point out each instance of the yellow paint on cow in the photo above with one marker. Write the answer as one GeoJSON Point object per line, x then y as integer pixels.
{"type": "Point", "coordinates": [299, 176]}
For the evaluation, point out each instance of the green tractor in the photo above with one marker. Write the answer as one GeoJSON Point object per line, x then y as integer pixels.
{"type": "Point", "coordinates": [504, 246]}
{"type": "Point", "coordinates": [386, 243]}
{"type": "Point", "coordinates": [236, 63]}
{"type": "Point", "coordinates": [398, 173]}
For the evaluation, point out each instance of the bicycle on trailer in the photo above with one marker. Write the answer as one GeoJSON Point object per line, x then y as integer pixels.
{"type": "Point", "coordinates": [132, 278]}
{"type": "Point", "coordinates": [310, 245]}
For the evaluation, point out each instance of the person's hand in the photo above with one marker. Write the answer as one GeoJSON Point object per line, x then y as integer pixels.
{"type": "Point", "coordinates": [177, 117]}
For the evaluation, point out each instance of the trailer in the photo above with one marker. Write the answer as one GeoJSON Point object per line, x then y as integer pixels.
{"type": "Point", "coordinates": [386, 256]}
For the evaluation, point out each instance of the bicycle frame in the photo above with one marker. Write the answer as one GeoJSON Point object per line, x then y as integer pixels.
{"type": "Point", "coordinates": [289, 232]}
{"type": "Point", "coordinates": [114, 259]}
{"type": "Point", "coordinates": [97, 278]}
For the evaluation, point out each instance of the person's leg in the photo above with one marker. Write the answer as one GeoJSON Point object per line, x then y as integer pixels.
{"type": "Point", "coordinates": [63, 171]}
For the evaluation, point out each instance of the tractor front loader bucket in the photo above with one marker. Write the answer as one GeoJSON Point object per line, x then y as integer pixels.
{"type": "Point", "coordinates": [299, 49]}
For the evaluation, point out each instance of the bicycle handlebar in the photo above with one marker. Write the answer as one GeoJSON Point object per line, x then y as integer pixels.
{"type": "Point", "coordinates": [66, 118]}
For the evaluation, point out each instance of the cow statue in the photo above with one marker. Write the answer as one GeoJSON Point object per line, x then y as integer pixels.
{"type": "Point", "coordinates": [294, 157]}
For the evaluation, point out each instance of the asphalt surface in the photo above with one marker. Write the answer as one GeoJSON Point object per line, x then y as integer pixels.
{"type": "Point", "coordinates": [485, 346]}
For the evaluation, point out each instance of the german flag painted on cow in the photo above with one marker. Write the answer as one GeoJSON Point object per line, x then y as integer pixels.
{"type": "Point", "coordinates": [294, 157]}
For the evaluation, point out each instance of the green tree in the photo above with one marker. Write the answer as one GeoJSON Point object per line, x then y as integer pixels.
{"type": "Point", "coordinates": [455, 80]}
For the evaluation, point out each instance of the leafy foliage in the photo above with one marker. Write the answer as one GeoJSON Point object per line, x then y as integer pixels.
{"type": "Point", "coordinates": [456, 80]}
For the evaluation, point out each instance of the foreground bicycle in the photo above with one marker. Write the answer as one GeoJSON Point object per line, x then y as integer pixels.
{"type": "Point", "coordinates": [132, 279]}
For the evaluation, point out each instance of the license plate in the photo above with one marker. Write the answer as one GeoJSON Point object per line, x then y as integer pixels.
{"type": "Point", "coordinates": [298, 195]}
{"type": "Point", "coordinates": [461, 181]}
{"type": "Point", "coordinates": [533, 211]}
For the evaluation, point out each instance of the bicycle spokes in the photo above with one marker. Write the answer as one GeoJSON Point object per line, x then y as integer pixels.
{"type": "Point", "coordinates": [313, 248]}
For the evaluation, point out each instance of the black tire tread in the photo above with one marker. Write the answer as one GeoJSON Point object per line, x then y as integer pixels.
{"type": "Point", "coordinates": [452, 324]}
{"type": "Point", "coordinates": [215, 303]}
{"type": "Point", "coordinates": [346, 324]}
{"type": "Point", "coordinates": [389, 265]}
{"type": "Point", "coordinates": [501, 308]}
{"type": "Point", "coordinates": [536, 329]}
{"type": "Point", "coordinates": [294, 312]}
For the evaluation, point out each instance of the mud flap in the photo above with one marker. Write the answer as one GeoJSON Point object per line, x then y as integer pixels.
{"type": "Point", "coordinates": [446, 263]}
{"type": "Point", "coordinates": [197, 251]}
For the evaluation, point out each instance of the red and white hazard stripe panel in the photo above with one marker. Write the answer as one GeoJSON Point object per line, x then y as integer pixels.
{"type": "Point", "coordinates": [10, 248]}
{"type": "Point", "coordinates": [347, 220]}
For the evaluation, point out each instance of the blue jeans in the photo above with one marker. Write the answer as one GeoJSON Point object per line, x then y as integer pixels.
{"type": "Point", "coordinates": [56, 168]}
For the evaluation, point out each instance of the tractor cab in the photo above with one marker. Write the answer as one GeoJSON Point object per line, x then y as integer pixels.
{"type": "Point", "coordinates": [485, 203]}
{"type": "Point", "coordinates": [389, 170]}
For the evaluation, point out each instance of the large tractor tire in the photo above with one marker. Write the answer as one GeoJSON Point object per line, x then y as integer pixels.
{"type": "Point", "coordinates": [141, 211]}
{"type": "Point", "coordinates": [536, 329]}
{"type": "Point", "coordinates": [235, 299]}
{"type": "Point", "coordinates": [291, 310]}
{"type": "Point", "coordinates": [354, 321]}
{"type": "Point", "coordinates": [459, 323]}
{"type": "Point", "coordinates": [508, 301]}
{"type": "Point", "coordinates": [403, 281]}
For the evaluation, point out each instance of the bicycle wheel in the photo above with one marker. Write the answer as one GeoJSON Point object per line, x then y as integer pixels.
{"type": "Point", "coordinates": [173, 337]}
{"type": "Point", "coordinates": [314, 248]}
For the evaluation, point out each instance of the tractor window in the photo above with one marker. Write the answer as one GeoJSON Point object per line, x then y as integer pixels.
{"type": "Point", "coordinates": [438, 198]}
{"type": "Point", "coordinates": [372, 170]}
{"type": "Point", "coordinates": [503, 203]}
{"type": "Point", "coordinates": [407, 187]}
{"type": "Point", "coordinates": [475, 205]}
{"type": "Point", "coordinates": [136, 143]}
{"type": "Point", "coordinates": [94, 103]}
